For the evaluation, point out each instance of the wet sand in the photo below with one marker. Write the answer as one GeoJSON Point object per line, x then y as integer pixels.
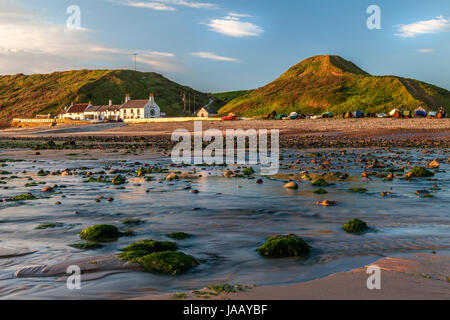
{"type": "Point", "coordinates": [414, 277]}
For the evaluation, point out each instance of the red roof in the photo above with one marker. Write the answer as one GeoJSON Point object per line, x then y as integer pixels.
{"type": "Point", "coordinates": [135, 104]}
{"type": "Point", "coordinates": [77, 108]}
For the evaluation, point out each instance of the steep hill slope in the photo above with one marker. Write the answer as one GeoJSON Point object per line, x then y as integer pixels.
{"type": "Point", "coordinates": [28, 95]}
{"type": "Point", "coordinates": [331, 83]}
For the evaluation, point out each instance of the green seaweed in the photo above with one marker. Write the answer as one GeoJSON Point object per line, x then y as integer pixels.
{"type": "Point", "coordinates": [355, 226]}
{"type": "Point", "coordinates": [179, 235]}
{"type": "Point", "coordinates": [284, 246]}
{"type": "Point", "coordinates": [100, 232]}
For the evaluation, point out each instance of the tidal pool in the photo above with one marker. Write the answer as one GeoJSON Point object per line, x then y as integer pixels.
{"type": "Point", "coordinates": [229, 218]}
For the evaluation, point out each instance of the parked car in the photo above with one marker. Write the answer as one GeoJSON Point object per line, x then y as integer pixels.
{"type": "Point", "coordinates": [231, 116]}
{"type": "Point", "coordinates": [382, 115]}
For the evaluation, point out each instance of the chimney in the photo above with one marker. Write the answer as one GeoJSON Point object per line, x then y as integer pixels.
{"type": "Point", "coordinates": [127, 97]}
{"type": "Point", "coordinates": [110, 102]}
{"type": "Point", "coordinates": [151, 97]}
{"type": "Point", "coordinates": [89, 103]}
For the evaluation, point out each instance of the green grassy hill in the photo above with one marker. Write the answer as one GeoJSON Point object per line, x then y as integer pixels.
{"type": "Point", "coordinates": [331, 83]}
{"type": "Point", "coordinates": [28, 95]}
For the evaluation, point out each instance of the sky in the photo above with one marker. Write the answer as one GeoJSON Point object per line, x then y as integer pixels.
{"type": "Point", "coordinates": [224, 45]}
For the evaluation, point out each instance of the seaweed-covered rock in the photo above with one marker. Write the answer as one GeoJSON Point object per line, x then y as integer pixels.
{"type": "Point", "coordinates": [170, 262]}
{"type": "Point", "coordinates": [23, 197]}
{"type": "Point", "coordinates": [284, 246]}
{"type": "Point", "coordinates": [86, 246]}
{"type": "Point", "coordinates": [179, 235]}
{"type": "Point", "coordinates": [320, 191]}
{"type": "Point", "coordinates": [355, 226]}
{"type": "Point", "coordinates": [100, 232]}
{"type": "Point", "coordinates": [248, 171]}
{"type": "Point", "coordinates": [146, 247]}
{"type": "Point", "coordinates": [421, 172]}
{"type": "Point", "coordinates": [320, 183]}
{"type": "Point", "coordinates": [358, 190]}
{"type": "Point", "coordinates": [49, 225]}
{"type": "Point", "coordinates": [118, 180]}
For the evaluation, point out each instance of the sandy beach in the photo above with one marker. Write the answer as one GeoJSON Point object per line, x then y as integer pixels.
{"type": "Point", "coordinates": [412, 277]}
{"type": "Point", "coordinates": [383, 128]}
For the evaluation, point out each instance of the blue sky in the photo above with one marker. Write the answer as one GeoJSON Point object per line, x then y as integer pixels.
{"type": "Point", "coordinates": [221, 45]}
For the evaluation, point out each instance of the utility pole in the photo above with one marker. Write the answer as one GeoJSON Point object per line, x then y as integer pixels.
{"type": "Point", "coordinates": [190, 112]}
{"type": "Point", "coordinates": [184, 102]}
{"type": "Point", "coordinates": [135, 55]}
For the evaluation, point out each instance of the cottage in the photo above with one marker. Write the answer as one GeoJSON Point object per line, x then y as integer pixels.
{"type": "Point", "coordinates": [106, 112]}
{"type": "Point", "coordinates": [206, 112]}
{"type": "Point", "coordinates": [140, 109]}
{"type": "Point", "coordinates": [75, 111]}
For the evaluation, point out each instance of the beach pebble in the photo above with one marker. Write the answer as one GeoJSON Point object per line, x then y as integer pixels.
{"type": "Point", "coordinates": [291, 185]}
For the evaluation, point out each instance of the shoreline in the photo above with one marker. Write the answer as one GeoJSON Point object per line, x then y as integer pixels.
{"type": "Point", "coordinates": [414, 277]}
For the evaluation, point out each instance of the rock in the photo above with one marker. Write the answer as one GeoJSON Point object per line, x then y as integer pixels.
{"type": "Point", "coordinates": [320, 183]}
{"type": "Point", "coordinates": [284, 246]}
{"type": "Point", "coordinates": [434, 164]}
{"type": "Point", "coordinates": [110, 199]}
{"type": "Point", "coordinates": [358, 190]}
{"type": "Point", "coordinates": [320, 191]}
{"type": "Point", "coordinates": [47, 189]}
{"type": "Point", "coordinates": [228, 174]}
{"type": "Point", "coordinates": [326, 203]}
{"type": "Point", "coordinates": [179, 235]}
{"type": "Point", "coordinates": [172, 176]}
{"type": "Point", "coordinates": [248, 171]}
{"type": "Point", "coordinates": [385, 193]}
{"type": "Point", "coordinates": [194, 191]}
{"type": "Point", "coordinates": [421, 172]}
{"type": "Point", "coordinates": [145, 247]}
{"type": "Point", "coordinates": [86, 246]}
{"type": "Point", "coordinates": [291, 185]}
{"type": "Point", "coordinates": [169, 262]}
{"type": "Point", "coordinates": [91, 266]}
{"type": "Point", "coordinates": [424, 194]}
{"type": "Point", "coordinates": [259, 181]}
{"type": "Point", "coordinates": [355, 226]}
{"type": "Point", "coordinates": [118, 180]}
{"type": "Point", "coordinates": [23, 197]}
{"type": "Point", "coordinates": [100, 232]}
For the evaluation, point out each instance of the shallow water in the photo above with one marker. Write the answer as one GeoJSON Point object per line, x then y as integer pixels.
{"type": "Point", "coordinates": [229, 219]}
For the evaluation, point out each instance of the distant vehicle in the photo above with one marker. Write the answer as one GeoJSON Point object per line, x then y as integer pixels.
{"type": "Point", "coordinates": [395, 114]}
{"type": "Point", "coordinates": [231, 116]}
{"type": "Point", "coordinates": [441, 113]}
{"type": "Point", "coordinates": [420, 112]}
{"type": "Point", "coordinates": [358, 114]}
{"type": "Point", "coordinates": [317, 117]}
{"type": "Point", "coordinates": [371, 115]}
{"type": "Point", "coordinates": [382, 115]}
{"type": "Point", "coordinates": [310, 116]}
{"type": "Point", "coordinates": [407, 114]}
{"type": "Point", "coordinates": [432, 114]}
{"type": "Point", "coordinates": [281, 116]}
{"type": "Point", "coordinates": [347, 115]}
{"type": "Point", "coordinates": [327, 115]}
{"type": "Point", "coordinates": [293, 116]}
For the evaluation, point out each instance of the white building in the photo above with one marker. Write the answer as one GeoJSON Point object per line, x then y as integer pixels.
{"type": "Point", "coordinates": [140, 109]}
{"type": "Point", "coordinates": [131, 109]}
{"type": "Point", "coordinates": [75, 111]}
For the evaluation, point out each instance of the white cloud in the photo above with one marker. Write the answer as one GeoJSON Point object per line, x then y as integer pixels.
{"type": "Point", "coordinates": [166, 5]}
{"type": "Point", "coordinates": [232, 26]}
{"type": "Point", "coordinates": [426, 50]}
{"type": "Point", "coordinates": [30, 44]}
{"type": "Point", "coordinates": [439, 24]}
{"type": "Point", "coordinates": [212, 56]}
